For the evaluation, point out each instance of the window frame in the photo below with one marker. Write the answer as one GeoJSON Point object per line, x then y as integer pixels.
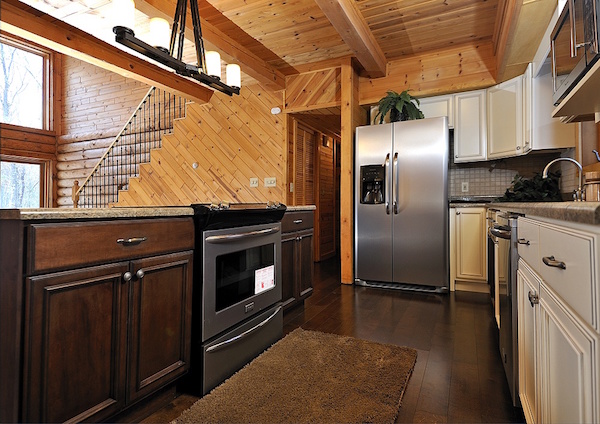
{"type": "Point", "coordinates": [48, 88]}
{"type": "Point", "coordinates": [45, 175]}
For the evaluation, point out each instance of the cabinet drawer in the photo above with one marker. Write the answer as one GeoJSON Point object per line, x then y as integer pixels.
{"type": "Point", "coordinates": [567, 266]}
{"type": "Point", "coordinates": [528, 233]}
{"type": "Point", "coordinates": [295, 221]}
{"type": "Point", "coordinates": [74, 244]}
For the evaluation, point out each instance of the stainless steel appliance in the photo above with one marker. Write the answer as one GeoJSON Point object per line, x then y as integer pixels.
{"type": "Point", "coordinates": [492, 261]}
{"type": "Point", "coordinates": [401, 205]}
{"type": "Point", "coordinates": [237, 311]}
{"type": "Point", "coordinates": [505, 231]}
{"type": "Point", "coordinates": [574, 42]}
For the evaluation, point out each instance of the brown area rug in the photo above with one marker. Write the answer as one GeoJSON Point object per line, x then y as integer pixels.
{"type": "Point", "coordinates": [312, 377]}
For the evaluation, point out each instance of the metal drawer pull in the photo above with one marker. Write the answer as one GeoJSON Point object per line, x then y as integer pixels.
{"type": "Point", "coordinates": [245, 333]}
{"type": "Point", "coordinates": [229, 237]}
{"type": "Point", "coordinates": [133, 241]}
{"type": "Point", "coordinates": [297, 221]}
{"type": "Point", "coordinates": [550, 261]}
{"type": "Point", "coordinates": [501, 232]}
{"type": "Point", "coordinates": [491, 236]}
{"type": "Point", "coordinates": [534, 299]}
{"type": "Point", "coordinates": [523, 241]}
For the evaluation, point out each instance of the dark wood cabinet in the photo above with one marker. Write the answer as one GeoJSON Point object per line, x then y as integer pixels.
{"type": "Point", "coordinates": [100, 337]}
{"type": "Point", "coordinates": [297, 256]}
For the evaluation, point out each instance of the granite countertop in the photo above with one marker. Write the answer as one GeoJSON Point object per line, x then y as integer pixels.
{"type": "Point", "coordinates": [579, 212]}
{"type": "Point", "coordinates": [301, 208]}
{"type": "Point", "coordinates": [94, 213]}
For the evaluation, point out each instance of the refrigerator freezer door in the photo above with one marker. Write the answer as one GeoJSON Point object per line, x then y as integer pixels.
{"type": "Point", "coordinates": [373, 222]}
{"type": "Point", "coordinates": [420, 193]}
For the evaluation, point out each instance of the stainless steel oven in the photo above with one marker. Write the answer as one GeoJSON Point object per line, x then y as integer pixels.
{"type": "Point", "coordinates": [574, 43]}
{"type": "Point", "coordinates": [241, 275]}
{"type": "Point", "coordinates": [237, 311]}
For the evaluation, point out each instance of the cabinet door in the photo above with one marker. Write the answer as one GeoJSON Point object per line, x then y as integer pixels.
{"type": "Point", "coordinates": [434, 107]}
{"type": "Point", "coordinates": [528, 288]}
{"type": "Point", "coordinates": [470, 244]}
{"type": "Point", "coordinates": [568, 365]}
{"type": "Point", "coordinates": [306, 264]}
{"type": "Point", "coordinates": [75, 345]}
{"type": "Point", "coordinates": [160, 316]}
{"type": "Point", "coordinates": [505, 118]}
{"type": "Point", "coordinates": [470, 126]}
{"type": "Point", "coordinates": [288, 269]}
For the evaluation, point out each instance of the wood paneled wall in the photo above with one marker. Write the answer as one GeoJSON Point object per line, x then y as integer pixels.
{"type": "Point", "coordinates": [96, 105]}
{"type": "Point", "coordinates": [446, 71]}
{"type": "Point", "coordinates": [214, 151]}
{"type": "Point", "coordinates": [313, 90]}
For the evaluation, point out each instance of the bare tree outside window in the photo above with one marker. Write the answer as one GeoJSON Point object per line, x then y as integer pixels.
{"type": "Point", "coordinates": [21, 87]}
{"type": "Point", "coordinates": [19, 185]}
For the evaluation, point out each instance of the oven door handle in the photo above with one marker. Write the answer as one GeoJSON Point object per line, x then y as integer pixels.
{"type": "Point", "coordinates": [500, 232]}
{"type": "Point", "coordinates": [244, 334]}
{"type": "Point", "coordinates": [231, 237]}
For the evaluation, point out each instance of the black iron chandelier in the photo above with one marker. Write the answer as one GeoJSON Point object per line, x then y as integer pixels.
{"type": "Point", "coordinates": [210, 77]}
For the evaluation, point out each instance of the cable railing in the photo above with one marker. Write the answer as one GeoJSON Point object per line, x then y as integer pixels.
{"type": "Point", "coordinates": [143, 132]}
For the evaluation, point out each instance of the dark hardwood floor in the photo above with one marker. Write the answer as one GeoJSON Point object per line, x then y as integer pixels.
{"type": "Point", "coordinates": [458, 376]}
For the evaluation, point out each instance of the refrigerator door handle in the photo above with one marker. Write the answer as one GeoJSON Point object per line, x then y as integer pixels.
{"type": "Point", "coordinates": [388, 180]}
{"type": "Point", "coordinates": [396, 183]}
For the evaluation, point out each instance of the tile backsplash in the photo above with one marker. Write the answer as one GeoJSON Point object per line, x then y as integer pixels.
{"type": "Point", "coordinates": [492, 178]}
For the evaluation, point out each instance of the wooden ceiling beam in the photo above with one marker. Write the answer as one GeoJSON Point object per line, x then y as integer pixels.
{"type": "Point", "coordinates": [251, 64]}
{"type": "Point", "coordinates": [504, 31]}
{"type": "Point", "coordinates": [27, 22]}
{"type": "Point", "coordinates": [354, 30]}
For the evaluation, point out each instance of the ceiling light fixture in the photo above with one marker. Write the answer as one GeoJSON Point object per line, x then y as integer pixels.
{"type": "Point", "coordinates": [208, 74]}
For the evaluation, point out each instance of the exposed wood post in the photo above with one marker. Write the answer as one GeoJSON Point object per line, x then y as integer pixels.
{"type": "Point", "coordinates": [352, 116]}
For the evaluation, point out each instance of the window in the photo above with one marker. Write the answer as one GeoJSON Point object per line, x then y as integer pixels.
{"type": "Point", "coordinates": [22, 183]}
{"type": "Point", "coordinates": [23, 85]}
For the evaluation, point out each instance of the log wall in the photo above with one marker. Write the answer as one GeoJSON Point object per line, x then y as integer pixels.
{"type": "Point", "coordinates": [214, 151]}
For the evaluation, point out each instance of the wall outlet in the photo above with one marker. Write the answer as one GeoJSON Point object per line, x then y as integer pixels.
{"type": "Point", "coordinates": [291, 187]}
{"type": "Point", "coordinates": [464, 187]}
{"type": "Point", "coordinates": [253, 182]}
{"type": "Point", "coordinates": [270, 182]}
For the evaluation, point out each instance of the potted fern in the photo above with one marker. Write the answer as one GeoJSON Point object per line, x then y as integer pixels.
{"type": "Point", "coordinates": [401, 107]}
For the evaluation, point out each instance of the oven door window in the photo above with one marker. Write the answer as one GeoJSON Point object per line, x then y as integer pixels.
{"type": "Point", "coordinates": [243, 274]}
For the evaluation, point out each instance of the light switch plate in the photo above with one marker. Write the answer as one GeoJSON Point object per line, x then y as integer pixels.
{"type": "Point", "coordinates": [464, 187]}
{"type": "Point", "coordinates": [253, 182]}
{"type": "Point", "coordinates": [270, 182]}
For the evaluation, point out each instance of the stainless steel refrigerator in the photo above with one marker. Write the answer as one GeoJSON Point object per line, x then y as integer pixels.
{"type": "Point", "coordinates": [401, 205]}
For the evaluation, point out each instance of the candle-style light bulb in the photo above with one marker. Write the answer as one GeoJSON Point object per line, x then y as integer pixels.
{"type": "Point", "coordinates": [160, 33]}
{"type": "Point", "coordinates": [213, 64]}
{"type": "Point", "coordinates": [234, 75]}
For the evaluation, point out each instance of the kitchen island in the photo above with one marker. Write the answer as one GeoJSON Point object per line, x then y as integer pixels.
{"type": "Point", "coordinates": [95, 309]}
{"type": "Point", "coordinates": [558, 298]}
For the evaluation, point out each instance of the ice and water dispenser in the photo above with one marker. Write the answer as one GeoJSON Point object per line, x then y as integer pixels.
{"type": "Point", "coordinates": [372, 184]}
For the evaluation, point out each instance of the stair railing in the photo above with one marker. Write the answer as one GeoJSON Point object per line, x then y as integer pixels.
{"type": "Point", "coordinates": [143, 132]}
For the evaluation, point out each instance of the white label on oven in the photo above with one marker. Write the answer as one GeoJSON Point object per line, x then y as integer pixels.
{"type": "Point", "coordinates": [264, 279]}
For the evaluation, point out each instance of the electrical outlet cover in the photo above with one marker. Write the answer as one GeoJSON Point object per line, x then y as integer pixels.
{"type": "Point", "coordinates": [253, 182]}
{"type": "Point", "coordinates": [270, 182]}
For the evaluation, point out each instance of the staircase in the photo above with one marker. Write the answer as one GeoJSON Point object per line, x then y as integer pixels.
{"type": "Point", "coordinates": [153, 118]}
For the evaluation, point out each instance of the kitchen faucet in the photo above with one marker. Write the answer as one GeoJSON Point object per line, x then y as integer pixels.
{"type": "Point", "coordinates": [578, 195]}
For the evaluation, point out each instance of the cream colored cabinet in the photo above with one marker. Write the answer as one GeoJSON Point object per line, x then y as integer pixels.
{"type": "Point", "coordinates": [528, 291]}
{"type": "Point", "coordinates": [468, 241]}
{"type": "Point", "coordinates": [434, 107]}
{"type": "Point", "coordinates": [558, 335]}
{"type": "Point", "coordinates": [540, 130]}
{"type": "Point", "coordinates": [569, 364]}
{"type": "Point", "coordinates": [470, 126]}
{"type": "Point", "coordinates": [505, 119]}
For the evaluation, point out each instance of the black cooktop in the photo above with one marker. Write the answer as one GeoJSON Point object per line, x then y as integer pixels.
{"type": "Point", "coordinates": [228, 215]}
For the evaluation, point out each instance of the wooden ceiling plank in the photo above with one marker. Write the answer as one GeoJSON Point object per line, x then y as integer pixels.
{"type": "Point", "coordinates": [251, 64]}
{"type": "Point", "coordinates": [31, 24]}
{"type": "Point", "coordinates": [355, 32]}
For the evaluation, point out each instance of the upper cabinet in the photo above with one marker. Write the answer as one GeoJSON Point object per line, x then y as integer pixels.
{"type": "Point", "coordinates": [470, 126]}
{"type": "Point", "coordinates": [434, 107]}
{"type": "Point", "coordinates": [509, 119]}
{"type": "Point", "coordinates": [505, 119]}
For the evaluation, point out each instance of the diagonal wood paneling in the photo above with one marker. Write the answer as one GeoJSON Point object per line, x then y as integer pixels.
{"type": "Point", "coordinates": [231, 139]}
{"type": "Point", "coordinates": [313, 90]}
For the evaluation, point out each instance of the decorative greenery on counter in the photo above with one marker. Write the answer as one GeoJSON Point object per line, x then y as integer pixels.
{"type": "Point", "coordinates": [536, 189]}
